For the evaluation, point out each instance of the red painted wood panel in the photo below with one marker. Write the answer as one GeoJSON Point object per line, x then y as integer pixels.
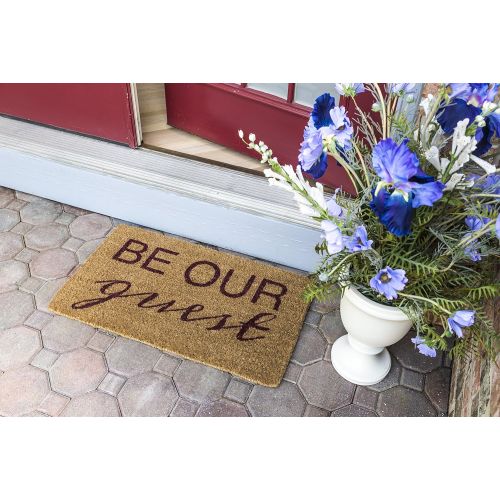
{"type": "Point", "coordinates": [216, 112]}
{"type": "Point", "coordinates": [97, 109]}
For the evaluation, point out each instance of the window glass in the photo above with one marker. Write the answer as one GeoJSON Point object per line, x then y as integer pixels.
{"type": "Point", "coordinates": [277, 89]}
{"type": "Point", "coordinates": [306, 93]}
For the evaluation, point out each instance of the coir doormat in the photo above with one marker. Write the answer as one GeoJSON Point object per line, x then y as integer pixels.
{"type": "Point", "coordinates": [228, 312]}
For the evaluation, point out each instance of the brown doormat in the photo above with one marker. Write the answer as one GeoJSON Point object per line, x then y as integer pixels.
{"type": "Point", "coordinates": [228, 312]}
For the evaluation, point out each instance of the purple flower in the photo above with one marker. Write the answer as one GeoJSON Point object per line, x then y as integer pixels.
{"type": "Point", "coordinates": [358, 241]}
{"type": "Point", "coordinates": [423, 348]}
{"type": "Point", "coordinates": [460, 319]}
{"type": "Point", "coordinates": [472, 251]}
{"type": "Point", "coordinates": [333, 237]}
{"type": "Point", "coordinates": [340, 127]}
{"type": "Point", "coordinates": [333, 208]}
{"type": "Point", "coordinates": [400, 88]}
{"type": "Point", "coordinates": [476, 223]}
{"type": "Point", "coordinates": [320, 113]}
{"type": "Point", "coordinates": [473, 93]}
{"type": "Point", "coordinates": [497, 227]}
{"type": "Point", "coordinates": [312, 158]}
{"type": "Point", "coordinates": [387, 281]}
{"type": "Point", "coordinates": [349, 89]}
{"type": "Point", "coordinates": [466, 100]}
{"type": "Point", "coordinates": [490, 184]}
{"type": "Point", "coordinates": [404, 186]}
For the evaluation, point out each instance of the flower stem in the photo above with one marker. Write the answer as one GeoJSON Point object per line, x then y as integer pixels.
{"type": "Point", "coordinates": [425, 299]}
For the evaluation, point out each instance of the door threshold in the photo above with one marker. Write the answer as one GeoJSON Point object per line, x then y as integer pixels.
{"type": "Point", "coordinates": [201, 201]}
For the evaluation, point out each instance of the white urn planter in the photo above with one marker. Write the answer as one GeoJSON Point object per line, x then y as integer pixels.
{"type": "Point", "coordinates": [361, 356]}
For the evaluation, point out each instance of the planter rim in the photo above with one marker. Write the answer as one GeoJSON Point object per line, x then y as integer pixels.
{"type": "Point", "coordinates": [378, 310]}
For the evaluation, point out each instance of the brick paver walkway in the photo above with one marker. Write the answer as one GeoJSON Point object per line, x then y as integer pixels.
{"type": "Point", "coordinates": [54, 366]}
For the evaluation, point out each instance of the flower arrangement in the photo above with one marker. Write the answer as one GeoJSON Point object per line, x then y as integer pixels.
{"type": "Point", "coordinates": [422, 233]}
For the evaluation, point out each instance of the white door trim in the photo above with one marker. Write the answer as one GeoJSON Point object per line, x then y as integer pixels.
{"type": "Point", "coordinates": [205, 202]}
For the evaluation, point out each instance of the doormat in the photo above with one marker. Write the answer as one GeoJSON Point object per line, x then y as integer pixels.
{"type": "Point", "coordinates": [225, 311]}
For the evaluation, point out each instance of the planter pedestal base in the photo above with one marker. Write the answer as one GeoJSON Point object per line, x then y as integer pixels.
{"type": "Point", "coordinates": [359, 363]}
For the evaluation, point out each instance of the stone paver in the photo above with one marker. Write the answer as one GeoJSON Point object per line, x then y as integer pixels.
{"type": "Point", "coordinates": [331, 326]}
{"type": "Point", "coordinates": [112, 383]}
{"type": "Point", "coordinates": [90, 227]}
{"type": "Point", "coordinates": [238, 390]}
{"type": "Point", "coordinates": [391, 380]}
{"type": "Point", "coordinates": [322, 386]}
{"type": "Point", "coordinates": [312, 317]}
{"type": "Point", "coordinates": [15, 307]}
{"type": "Point", "coordinates": [18, 345]}
{"type": "Point", "coordinates": [38, 319]}
{"type": "Point", "coordinates": [42, 241]}
{"type": "Point", "coordinates": [16, 205]}
{"type": "Point", "coordinates": [184, 408]}
{"type": "Point", "coordinates": [282, 401]}
{"type": "Point", "coordinates": [46, 237]}
{"type": "Point", "coordinates": [403, 402]}
{"type": "Point", "coordinates": [54, 263]}
{"type": "Point", "coordinates": [6, 196]}
{"type": "Point", "coordinates": [45, 293]}
{"type": "Point", "coordinates": [53, 404]}
{"type": "Point", "coordinates": [167, 365]}
{"type": "Point", "coordinates": [30, 284]}
{"type": "Point", "coordinates": [437, 387]}
{"type": "Point", "coordinates": [329, 305]}
{"type": "Point", "coordinates": [26, 255]}
{"type": "Point", "coordinates": [62, 334]}
{"type": "Point", "coordinates": [44, 359]}
{"type": "Point", "coordinates": [27, 197]}
{"type": "Point", "coordinates": [92, 404]}
{"type": "Point", "coordinates": [128, 357]}
{"type": "Point", "coordinates": [40, 212]}
{"type": "Point", "coordinates": [409, 357]}
{"type": "Point", "coordinates": [75, 210]}
{"type": "Point", "coordinates": [310, 347]}
{"type": "Point", "coordinates": [86, 249]}
{"type": "Point", "coordinates": [77, 372]}
{"type": "Point", "coordinates": [365, 398]}
{"type": "Point", "coordinates": [65, 218]}
{"type": "Point", "coordinates": [10, 245]}
{"type": "Point", "coordinates": [148, 395]}
{"type": "Point", "coordinates": [72, 244]}
{"type": "Point", "coordinates": [353, 411]}
{"type": "Point", "coordinates": [314, 411]}
{"type": "Point", "coordinates": [22, 390]}
{"type": "Point", "coordinates": [292, 372]}
{"type": "Point", "coordinates": [199, 382]}
{"type": "Point", "coordinates": [8, 219]}
{"type": "Point", "coordinates": [22, 228]}
{"type": "Point", "coordinates": [100, 341]}
{"type": "Point", "coordinates": [411, 379]}
{"type": "Point", "coordinates": [222, 408]}
{"type": "Point", "coordinates": [12, 272]}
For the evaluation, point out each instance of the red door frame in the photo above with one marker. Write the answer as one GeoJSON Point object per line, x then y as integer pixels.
{"type": "Point", "coordinates": [101, 110]}
{"type": "Point", "coordinates": [196, 108]}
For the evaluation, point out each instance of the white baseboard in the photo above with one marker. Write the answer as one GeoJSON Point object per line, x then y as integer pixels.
{"type": "Point", "coordinates": [204, 202]}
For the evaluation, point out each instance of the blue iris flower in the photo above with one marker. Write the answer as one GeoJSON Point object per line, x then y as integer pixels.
{"type": "Point", "coordinates": [321, 111]}
{"type": "Point", "coordinates": [312, 157]}
{"type": "Point", "coordinates": [403, 186]}
{"type": "Point", "coordinates": [466, 100]}
{"type": "Point", "coordinates": [326, 119]}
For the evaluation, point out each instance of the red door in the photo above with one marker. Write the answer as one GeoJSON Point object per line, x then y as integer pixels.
{"type": "Point", "coordinates": [101, 110]}
{"type": "Point", "coordinates": [276, 113]}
